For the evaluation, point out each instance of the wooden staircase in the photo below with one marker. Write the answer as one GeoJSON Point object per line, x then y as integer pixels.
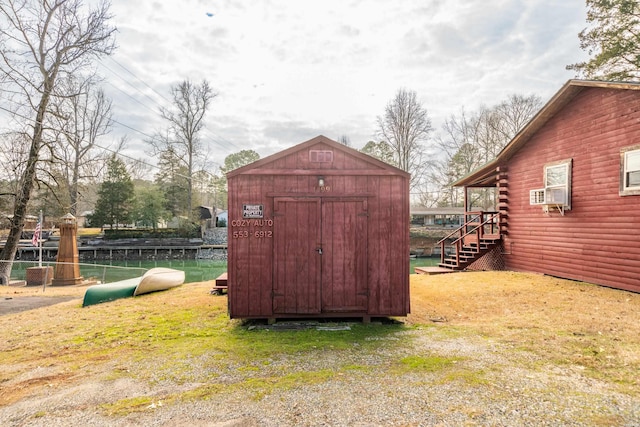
{"type": "Point", "coordinates": [471, 241]}
{"type": "Point", "coordinates": [481, 232]}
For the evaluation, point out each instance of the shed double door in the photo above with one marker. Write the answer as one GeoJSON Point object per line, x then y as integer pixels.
{"type": "Point", "coordinates": [320, 255]}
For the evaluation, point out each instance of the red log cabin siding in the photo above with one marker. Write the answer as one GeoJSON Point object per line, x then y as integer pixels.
{"type": "Point", "coordinates": [598, 240]}
{"type": "Point", "coordinates": [364, 269]}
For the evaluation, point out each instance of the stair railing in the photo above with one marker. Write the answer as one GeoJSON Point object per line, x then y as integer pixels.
{"type": "Point", "coordinates": [492, 218]}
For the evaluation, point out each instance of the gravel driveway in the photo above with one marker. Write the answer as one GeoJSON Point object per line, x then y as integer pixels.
{"type": "Point", "coordinates": [489, 385]}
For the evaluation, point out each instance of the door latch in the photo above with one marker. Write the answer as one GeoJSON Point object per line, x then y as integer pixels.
{"type": "Point", "coordinates": [319, 250]}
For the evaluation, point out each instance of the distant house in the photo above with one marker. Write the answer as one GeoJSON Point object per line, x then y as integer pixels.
{"type": "Point", "coordinates": [206, 212]}
{"type": "Point", "coordinates": [437, 217]}
{"type": "Point", "coordinates": [222, 217]}
{"type": "Point", "coordinates": [212, 217]}
{"type": "Point", "coordinates": [206, 216]}
{"type": "Point", "coordinates": [569, 191]}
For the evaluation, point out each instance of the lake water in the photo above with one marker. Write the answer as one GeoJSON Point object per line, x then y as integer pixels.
{"type": "Point", "coordinates": [195, 270]}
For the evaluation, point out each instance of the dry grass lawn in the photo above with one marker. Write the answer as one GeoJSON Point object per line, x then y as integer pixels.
{"type": "Point", "coordinates": [564, 322]}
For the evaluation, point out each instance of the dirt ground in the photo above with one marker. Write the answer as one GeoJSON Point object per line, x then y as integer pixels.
{"type": "Point", "coordinates": [578, 335]}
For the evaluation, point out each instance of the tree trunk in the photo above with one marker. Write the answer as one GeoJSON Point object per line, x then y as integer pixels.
{"type": "Point", "coordinates": [24, 194]}
{"type": "Point", "coordinates": [73, 193]}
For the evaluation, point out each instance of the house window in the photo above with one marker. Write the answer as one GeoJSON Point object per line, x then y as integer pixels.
{"type": "Point", "coordinates": [557, 183]}
{"type": "Point", "coordinates": [630, 171]}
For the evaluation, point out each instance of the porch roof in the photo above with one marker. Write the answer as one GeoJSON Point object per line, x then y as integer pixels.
{"type": "Point", "coordinates": [485, 176]}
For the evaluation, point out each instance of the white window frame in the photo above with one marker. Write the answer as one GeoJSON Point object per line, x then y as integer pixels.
{"type": "Point", "coordinates": [566, 185]}
{"type": "Point", "coordinates": [625, 188]}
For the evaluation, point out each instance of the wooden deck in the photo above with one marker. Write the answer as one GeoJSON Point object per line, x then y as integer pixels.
{"type": "Point", "coordinates": [433, 270]}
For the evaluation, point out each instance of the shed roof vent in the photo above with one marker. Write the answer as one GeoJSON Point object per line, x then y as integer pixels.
{"type": "Point", "coordinates": [321, 156]}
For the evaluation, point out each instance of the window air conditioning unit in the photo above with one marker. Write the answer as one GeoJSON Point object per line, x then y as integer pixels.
{"type": "Point", "coordinates": [548, 196]}
{"type": "Point", "coordinates": [555, 196]}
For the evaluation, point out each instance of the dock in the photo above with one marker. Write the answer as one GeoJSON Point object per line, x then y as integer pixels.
{"type": "Point", "coordinates": [122, 252]}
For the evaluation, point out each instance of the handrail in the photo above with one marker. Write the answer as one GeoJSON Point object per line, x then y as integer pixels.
{"type": "Point", "coordinates": [477, 229]}
{"type": "Point", "coordinates": [481, 225]}
{"type": "Point", "coordinates": [466, 224]}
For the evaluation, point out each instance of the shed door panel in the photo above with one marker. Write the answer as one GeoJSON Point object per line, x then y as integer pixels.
{"type": "Point", "coordinates": [296, 285]}
{"type": "Point", "coordinates": [344, 257]}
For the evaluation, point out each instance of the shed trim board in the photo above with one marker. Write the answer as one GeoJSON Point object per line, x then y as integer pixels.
{"type": "Point", "coordinates": [337, 250]}
{"type": "Point", "coordinates": [313, 172]}
{"type": "Point", "coordinates": [588, 124]}
{"type": "Point", "coordinates": [373, 163]}
{"type": "Point", "coordinates": [327, 196]}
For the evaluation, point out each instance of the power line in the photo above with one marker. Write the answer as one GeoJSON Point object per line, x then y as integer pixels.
{"type": "Point", "coordinates": [133, 129]}
{"type": "Point", "coordinates": [145, 163]}
{"type": "Point", "coordinates": [216, 139]}
{"type": "Point", "coordinates": [131, 97]}
{"type": "Point", "coordinates": [13, 113]}
{"type": "Point", "coordinates": [208, 134]}
{"type": "Point", "coordinates": [137, 78]}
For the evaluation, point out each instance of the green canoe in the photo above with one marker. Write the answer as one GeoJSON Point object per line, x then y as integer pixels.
{"type": "Point", "coordinates": [110, 291]}
{"type": "Point", "coordinates": [156, 279]}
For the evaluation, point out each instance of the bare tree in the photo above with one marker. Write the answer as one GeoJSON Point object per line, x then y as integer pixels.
{"type": "Point", "coordinates": [43, 41]}
{"type": "Point", "coordinates": [81, 120]}
{"type": "Point", "coordinates": [344, 140]}
{"type": "Point", "coordinates": [469, 142]}
{"type": "Point", "coordinates": [512, 115]}
{"type": "Point", "coordinates": [13, 155]}
{"type": "Point", "coordinates": [460, 146]}
{"type": "Point", "coordinates": [406, 127]}
{"type": "Point", "coordinates": [185, 119]}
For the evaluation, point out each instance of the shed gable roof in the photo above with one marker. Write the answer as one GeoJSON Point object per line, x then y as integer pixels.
{"type": "Point", "coordinates": [321, 141]}
{"type": "Point", "coordinates": [483, 175]}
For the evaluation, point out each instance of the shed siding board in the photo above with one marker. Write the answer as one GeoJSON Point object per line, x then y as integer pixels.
{"type": "Point", "coordinates": [384, 227]}
{"type": "Point", "coordinates": [597, 240]}
{"type": "Point", "coordinates": [375, 257]}
{"type": "Point", "coordinates": [392, 211]}
{"type": "Point", "coordinates": [364, 265]}
{"type": "Point", "coordinates": [404, 237]}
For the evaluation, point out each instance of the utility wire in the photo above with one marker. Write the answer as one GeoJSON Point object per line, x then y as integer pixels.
{"type": "Point", "coordinates": [216, 139]}
{"type": "Point", "coordinates": [120, 153]}
{"type": "Point", "coordinates": [136, 77]}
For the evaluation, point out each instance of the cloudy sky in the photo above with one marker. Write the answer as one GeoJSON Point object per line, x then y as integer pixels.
{"type": "Point", "coordinates": [288, 70]}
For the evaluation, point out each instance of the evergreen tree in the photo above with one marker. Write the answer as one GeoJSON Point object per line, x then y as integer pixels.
{"type": "Point", "coordinates": [380, 150]}
{"type": "Point", "coordinates": [231, 162]}
{"type": "Point", "coordinates": [172, 178]}
{"type": "Point", "coordinates": [239, 159]}
{"type": "Point", "coordinates": [612, 41]}
{"type": "Point", "coordinates": [150, 207]}
{"type": "Point", "coordinates": [115, 204]}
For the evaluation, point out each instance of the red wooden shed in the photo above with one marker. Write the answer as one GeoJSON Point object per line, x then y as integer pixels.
{"type": "Point", "coordinates": [318, 230]}
{"type": "Point", "coordinates": [569, 190]}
